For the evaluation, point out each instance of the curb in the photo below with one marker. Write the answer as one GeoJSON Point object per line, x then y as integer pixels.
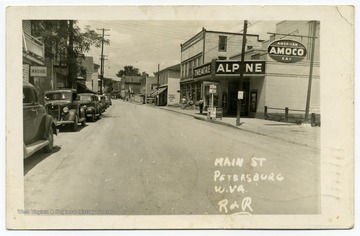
{"type": "Point", "coordinates": [234, 127]}
{"type": "Point", "coordinates": [212, 121]}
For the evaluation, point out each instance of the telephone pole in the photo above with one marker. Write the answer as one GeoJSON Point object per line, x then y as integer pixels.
{"type": "Point", "coordinates": [241, 73]}
{"type": "Point", "coordinates": [158, 77]}
{"type": "Point", "coordinates": [102, 58]}
{"type": "Point", "coordinates": [310, 74]}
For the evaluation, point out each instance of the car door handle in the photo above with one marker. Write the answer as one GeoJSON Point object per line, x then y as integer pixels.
{"type": "Point", "coordinates": [35, 110]}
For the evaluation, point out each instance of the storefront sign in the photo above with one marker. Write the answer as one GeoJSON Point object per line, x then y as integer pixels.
{"type": "Point", "coordinates": [39, 71]}
{"type": "Point", "coordinates": [212, 88]}
{"type": "Point", "coordinates": [233, 67]}
{"type": "Point", "coordinates": [202, 70]}
{"type": "Point", "coordinates": [286, 51]}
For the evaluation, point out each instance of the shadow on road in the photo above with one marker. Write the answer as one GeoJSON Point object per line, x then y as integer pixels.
{"type": "Point", "coordinates": [67, 129]}
{"type": "Point", "coordinates": [35, 159]}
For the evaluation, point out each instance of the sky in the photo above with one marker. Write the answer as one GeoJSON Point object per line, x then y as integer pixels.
{"type": "Point", "coordinates": [145, 44]}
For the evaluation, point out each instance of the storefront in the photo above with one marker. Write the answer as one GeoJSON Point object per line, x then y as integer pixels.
{"type": "Point", "coordinates": [225, 75]}
{"type": "Point", "coordinates": [278, 72]}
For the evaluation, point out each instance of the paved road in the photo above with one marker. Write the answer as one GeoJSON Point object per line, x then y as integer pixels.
{"type": "Point", "coordinates": [139, 160]}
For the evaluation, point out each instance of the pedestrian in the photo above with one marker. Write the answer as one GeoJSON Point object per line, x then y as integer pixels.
{"type": "Point", "coordinates": [201, 105]}
{"type": "Point", "coordinates": [183, 101]}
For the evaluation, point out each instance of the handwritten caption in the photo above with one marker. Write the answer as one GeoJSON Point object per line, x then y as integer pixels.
{"type": "Point", "coordinates": [234, 177]}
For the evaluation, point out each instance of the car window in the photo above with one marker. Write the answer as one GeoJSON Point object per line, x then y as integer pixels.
{"type": "Point", "coordinates": [84, 98]}
{"type": "Point", "coordinates": [58, 96]}
{"type": "Point", "coordinates": [28, 96]}
{"type": "Point", "coordinates": [36, 98]}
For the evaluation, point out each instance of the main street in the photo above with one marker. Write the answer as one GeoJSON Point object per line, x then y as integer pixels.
{"type": "Point", "coordinates": [140, 160]}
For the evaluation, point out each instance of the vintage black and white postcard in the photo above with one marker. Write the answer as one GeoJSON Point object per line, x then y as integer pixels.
{"type": "Point", "coordinates": [180, 117]}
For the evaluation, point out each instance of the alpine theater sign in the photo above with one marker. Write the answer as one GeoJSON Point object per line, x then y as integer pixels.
{"type": "Point", "coordinates": [287, 51]}
{"type": "Point", "coordinates": [229, 68]}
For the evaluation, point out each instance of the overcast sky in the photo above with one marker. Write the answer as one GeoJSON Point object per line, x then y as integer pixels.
{"type": "Point", "coordinates": [145, 44]}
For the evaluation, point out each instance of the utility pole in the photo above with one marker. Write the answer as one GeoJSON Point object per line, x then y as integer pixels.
{"type": "Point", "coordinates": [158, 85]}
{"type": "Point", "coordinates": [242, 64]}
{"type": "Point", "coordinates": [158, 77]}
{"type": "Point", "coordinates": [71, 56]}
{"type": "Point", "coordinates": [102, 58]}
{"type": "Point", "coordinates": [310, 74]}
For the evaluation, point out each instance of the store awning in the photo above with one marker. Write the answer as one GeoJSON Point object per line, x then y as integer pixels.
{"type": "Point", "coordinates": [81, 88]}
{"type": "Point", "coordinates": [157, 92]}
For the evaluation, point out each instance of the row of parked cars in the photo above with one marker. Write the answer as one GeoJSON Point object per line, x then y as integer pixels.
{"type": "Point", "coordinates": [64, 107]}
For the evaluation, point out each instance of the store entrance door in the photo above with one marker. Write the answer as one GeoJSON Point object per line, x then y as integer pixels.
{"type": "Point", "coordinates": [233, 93]}
{"type": "Point", "coordinates": [232, 99]}
{"type": "Point", "coordinates": [245, 101]}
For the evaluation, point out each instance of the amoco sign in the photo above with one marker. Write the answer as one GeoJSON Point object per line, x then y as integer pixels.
{"type": "Point", "coordinates": [287, 51]}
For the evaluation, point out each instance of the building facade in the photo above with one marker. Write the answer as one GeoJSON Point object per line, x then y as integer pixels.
{"type": "Point", "coordinates": [41, 70]}
{"type": "Point", "coordinates": [284, 86]}
{"type": "Point", "coordinates": [269, 85]}
{"type": "Point", "coordinates": [168, 92]}
{"type": "Point", "coordinates": [130, 86]}
{"type": "Point", "coordinates": [198, 58]}
{"type": "Point", "coordinates": [34, 64]}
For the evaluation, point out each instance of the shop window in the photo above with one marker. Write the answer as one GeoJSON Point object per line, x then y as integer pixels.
{"type": "Point", "coordinates": [222, 43]}
{"type": "Point", "coordinates": [198, 91]}
{"type": "Point", "coordinates": [190, 68]}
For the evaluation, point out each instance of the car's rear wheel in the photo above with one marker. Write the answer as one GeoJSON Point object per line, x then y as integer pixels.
{"type": "Point", "coordinates": [75, 125]}
{"type": "Point", "coordinates": [50, 138]}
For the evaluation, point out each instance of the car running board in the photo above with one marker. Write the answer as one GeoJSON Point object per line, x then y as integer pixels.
{"type": "Point", "coordinates": [34, 147]}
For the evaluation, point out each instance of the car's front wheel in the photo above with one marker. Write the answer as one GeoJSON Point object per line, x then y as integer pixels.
{"type": "Point", "coordinates": [93, 117]}
{"type": "Point", "coordinates": [83, 123]}
{"type": "Point", "coordinates": [50, 138]}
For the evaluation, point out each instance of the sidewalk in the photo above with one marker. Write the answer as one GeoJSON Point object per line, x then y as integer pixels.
{"type": "Point", "coordinates": [288, 132]}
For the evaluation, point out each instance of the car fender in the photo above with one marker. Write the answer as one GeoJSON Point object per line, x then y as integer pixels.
{"type": "Point", "coordinates": [82, 112]}
{"type": "Point", "coordinates": [48, 121]}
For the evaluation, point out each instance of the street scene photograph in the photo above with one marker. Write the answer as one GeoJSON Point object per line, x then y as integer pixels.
{"type": "Point", "coordinates": [149, 117]}
{"type": "Point", "coordinates": [179, 117]}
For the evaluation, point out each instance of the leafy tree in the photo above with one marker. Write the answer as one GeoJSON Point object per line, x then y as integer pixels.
{"type": "Point", "coordinates": [65, 42]}
{"type": "Point", "coordinates": [108, 84]}
{"type": "Point", "coordinates": [128, 71]}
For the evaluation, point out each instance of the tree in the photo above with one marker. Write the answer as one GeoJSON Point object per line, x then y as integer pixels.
{"type": "Point", "coordinates": [65, 42]}
{"type": "Point", "coordinates": [108, 85]}
{"type": "Point", "coordinates": [128, 71]}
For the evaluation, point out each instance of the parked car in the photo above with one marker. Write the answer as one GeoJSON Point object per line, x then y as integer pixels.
{"type": "Point", "coordinates": [102, 102]}
{"type": "Point", "coordinates": [38, 127]}
{"type": "Point", "coordinates": [91, 104]}
{"type": "Point", "coordinates": [108, 101]}
{"type": "Point", "coordinates": [61, 104]}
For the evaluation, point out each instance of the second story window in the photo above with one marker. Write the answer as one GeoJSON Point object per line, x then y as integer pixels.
{"type": "Point", "coordinates": [222, 43]}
